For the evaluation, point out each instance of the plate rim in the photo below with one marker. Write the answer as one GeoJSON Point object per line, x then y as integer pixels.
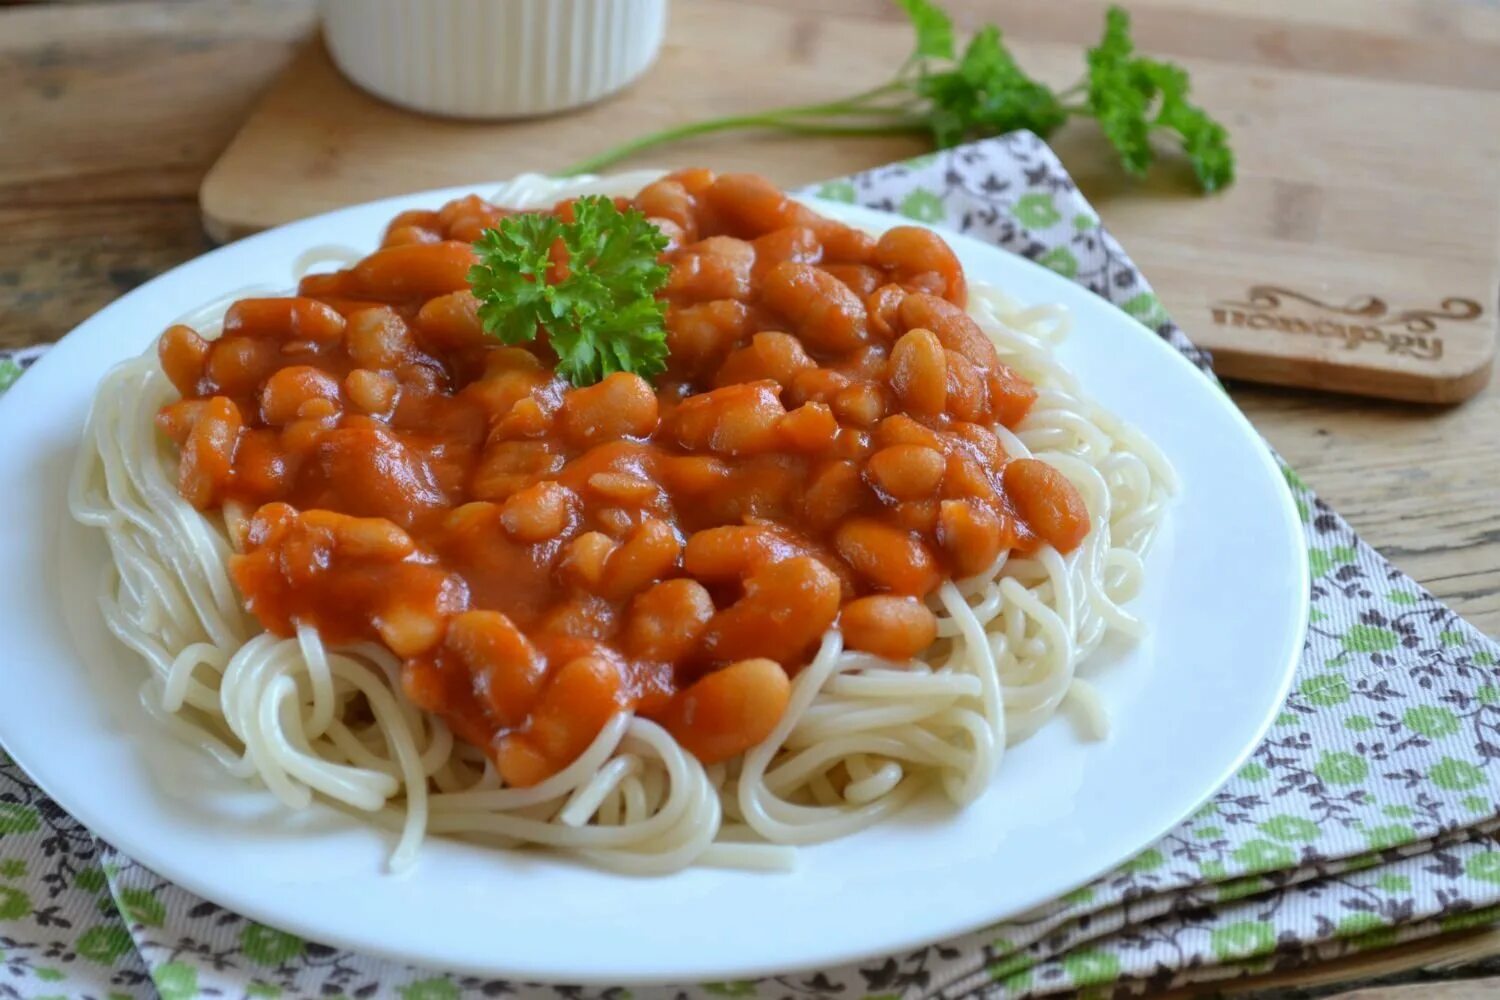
{"type": "Point", "coordinates": [1041, 282]}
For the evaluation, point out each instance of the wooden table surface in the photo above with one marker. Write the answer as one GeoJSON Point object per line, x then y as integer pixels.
{"type": "Point", "coordinates": [112, 112]}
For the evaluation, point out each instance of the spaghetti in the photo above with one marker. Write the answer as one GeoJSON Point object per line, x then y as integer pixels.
{"type": "Point", "coordinates": [861, 735]}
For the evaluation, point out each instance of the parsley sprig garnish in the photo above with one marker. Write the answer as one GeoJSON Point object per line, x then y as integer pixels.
{"type": "Point", "coordinates": [590, 283]}
{"type": "Point", "coordinates": [957, 98]}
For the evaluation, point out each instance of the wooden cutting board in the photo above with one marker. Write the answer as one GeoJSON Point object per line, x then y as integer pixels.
{"type": "Point", "coordinates": [1359, 251]}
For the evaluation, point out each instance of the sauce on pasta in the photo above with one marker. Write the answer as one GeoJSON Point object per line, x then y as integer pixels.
{"type": "Point", "coordinates": [540, 556]}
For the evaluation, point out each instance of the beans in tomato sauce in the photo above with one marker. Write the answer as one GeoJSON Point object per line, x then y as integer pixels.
{"type": "Point", "coordinates": [542, 556]}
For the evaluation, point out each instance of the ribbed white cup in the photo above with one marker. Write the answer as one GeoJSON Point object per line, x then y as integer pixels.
{"type": "Point", "coordinates": [493, 58]}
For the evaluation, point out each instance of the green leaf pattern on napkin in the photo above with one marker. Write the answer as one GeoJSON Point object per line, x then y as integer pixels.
{"type": "Point", "coordinates": [1365, 818]}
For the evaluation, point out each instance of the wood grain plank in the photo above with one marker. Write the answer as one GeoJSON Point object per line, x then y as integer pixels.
{"type": "Point", "coordinates": [1371, 973]}
{"type": "Point", "coordinates": [111, 115]}
{"type": "Point", "coordinates": [1446, 44]}
{"type": "Point", "coordinates": [1473, 989]}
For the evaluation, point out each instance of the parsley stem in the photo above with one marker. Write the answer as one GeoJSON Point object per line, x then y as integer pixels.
{"type": "Point", "coordinates": [899, 126]}
{"type": "Point", "coordinates": [785, 120]}
{"type": "Point", "coordinates": [844, 104]}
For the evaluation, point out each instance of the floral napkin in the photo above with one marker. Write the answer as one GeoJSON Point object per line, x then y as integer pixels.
{"type": "Point", "coordinates": [1365, 818]}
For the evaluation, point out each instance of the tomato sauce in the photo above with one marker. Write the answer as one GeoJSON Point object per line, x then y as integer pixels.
{"type": "Point", "coordinates": [540, 556]}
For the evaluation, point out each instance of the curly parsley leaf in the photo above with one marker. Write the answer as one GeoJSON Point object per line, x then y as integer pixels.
{"type": "Point", "coordinates": [987, 93]}
{"type": "Point", "coordinates": [1131, 96]}
{"type": "Point", "coordinates": [510, 280]}
{"type": "Point", "coordinates": [933, 27]}
{"type": "Point", "coordinates": [1204, 140]}
{"type": "Point", "coordinates": [590, 284]}
{"type": "Point", "coordinates": [1120, 94]}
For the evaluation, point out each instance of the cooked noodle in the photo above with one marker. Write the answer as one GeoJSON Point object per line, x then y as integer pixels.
{"type": "Point", "coordinates": [861, 738]}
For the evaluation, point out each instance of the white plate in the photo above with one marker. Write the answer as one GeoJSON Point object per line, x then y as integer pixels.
{"type": "Point", "coordinates": [1225, 599]}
